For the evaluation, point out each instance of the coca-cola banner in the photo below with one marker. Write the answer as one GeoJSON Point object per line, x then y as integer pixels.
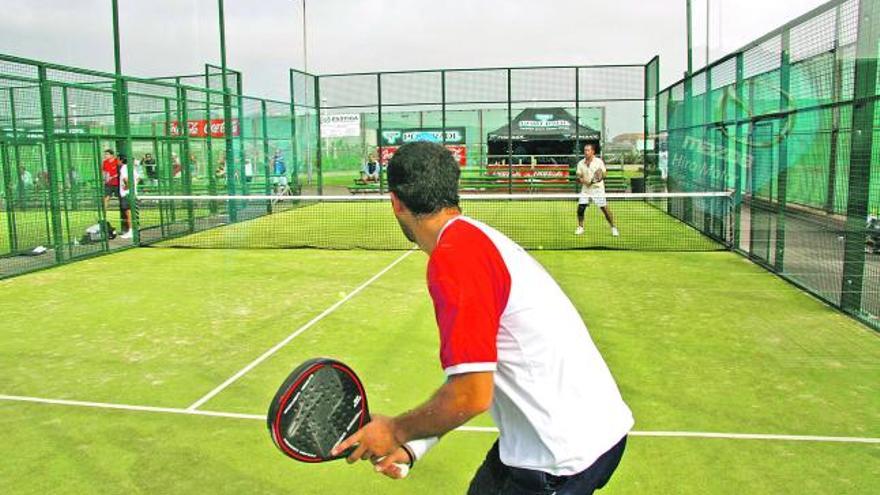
{"type": "Point", "coordinates": [200, 128]}
{"type": "Point", "coordinates": [459, 152]}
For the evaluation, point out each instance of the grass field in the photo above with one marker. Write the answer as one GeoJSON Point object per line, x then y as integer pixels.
{"type": "Point", "coordinates": [699, 342]}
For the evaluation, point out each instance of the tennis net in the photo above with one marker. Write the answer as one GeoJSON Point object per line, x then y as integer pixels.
{"type": "Point", "coordinates": [651, 222]}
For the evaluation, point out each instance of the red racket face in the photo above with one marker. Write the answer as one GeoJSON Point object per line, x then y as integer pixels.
{"type": "Point", "coordinates": [320, 404]}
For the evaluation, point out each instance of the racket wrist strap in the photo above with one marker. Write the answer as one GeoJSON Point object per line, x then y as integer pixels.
{"type": "Point", "coordinates": [418, 448]}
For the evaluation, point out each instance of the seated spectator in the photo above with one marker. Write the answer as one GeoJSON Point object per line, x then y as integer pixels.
{"type": "Point", "coordinates": [25, 178]}
{"type": "Point", "coordinates": [150, 168]}
{"type": "Point", "coordinates": [371, 170]}
{"type": "Point", "coordinates": [278, 166]}
{"type": "Point", "coordinates": [872, 231]}
{"type": "Point", "coordinates": [248, 170]}
{"type": "Point", "coordinates": [176, 167]}
{"type": "Point", "coordinates": [279, 174]}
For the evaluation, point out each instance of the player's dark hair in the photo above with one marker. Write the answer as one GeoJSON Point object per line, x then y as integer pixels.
{"type": "Point", "coordinates": [425, 177]}
{"type": "Point", "coordinates": [109, 151]}
{"type": "Point", "coordinates": [594, 145]}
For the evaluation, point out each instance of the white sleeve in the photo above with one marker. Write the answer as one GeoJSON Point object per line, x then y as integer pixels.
{"type": "Point", "coordinates": [418, 448]}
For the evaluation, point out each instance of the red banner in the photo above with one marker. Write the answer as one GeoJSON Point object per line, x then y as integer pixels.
{"type": "Point", "coordinates": [537, 171]}
{"type": "Point", "coordinates": [459, 152]}
{"type": "Point", "coordinates": [200, 128]}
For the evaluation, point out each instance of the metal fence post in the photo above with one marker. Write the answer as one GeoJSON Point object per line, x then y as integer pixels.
{"type": "Point", "coordinates": [379, 132]}
{"type": "Point", "coordinates": [294, 157]}
{"type": "Point", "coordinates": [265, 124]}
{"type": "Point", "coordinates": [509, 132]}
{"type": "Point", "coordinates": [860, 154]}
{"type": "Point", "coordinates": [48, 121]}
{"type": "Point", "coordinates": [836, 91]}
{"type": "Point", "coordinates": [186, 159]}
{"type": "Point", "coordinates": [782, 183]}
{"type": "Point", "coordinates": [740, 157]}
{"type": "Point", "coordinates": [318, 154]}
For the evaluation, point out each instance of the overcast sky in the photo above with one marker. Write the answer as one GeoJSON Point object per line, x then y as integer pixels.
{"type": "Point", "coordinates": [264, 37]}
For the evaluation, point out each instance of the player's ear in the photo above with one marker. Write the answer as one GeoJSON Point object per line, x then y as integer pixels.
{"type": "Point", "coordinates": [396, 204]}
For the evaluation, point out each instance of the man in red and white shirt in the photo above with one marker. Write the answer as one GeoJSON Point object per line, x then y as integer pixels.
{"type": "Point", "coordinates": [110, 171]}
{"type": "Point", "coordinates": [510, 342]}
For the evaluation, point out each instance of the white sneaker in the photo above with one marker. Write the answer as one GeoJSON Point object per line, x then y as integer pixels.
{"type": "Point", "coordinates": [615, 232]}
{"type": "Point", "coordinates": [126, 235]}
{"type": "Point", "coordinates": [579, 231]}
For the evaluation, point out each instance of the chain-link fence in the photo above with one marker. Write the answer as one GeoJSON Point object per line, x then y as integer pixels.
{"type": "Point", "coordinates": [513, 130]}
{"type": "Point", "coordinates": [790, 124]}
{"type": "Point", "coordinates": [60, 188]}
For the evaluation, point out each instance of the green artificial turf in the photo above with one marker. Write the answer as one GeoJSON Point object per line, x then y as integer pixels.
{"type": "Point", "coordinates": [702, 342]}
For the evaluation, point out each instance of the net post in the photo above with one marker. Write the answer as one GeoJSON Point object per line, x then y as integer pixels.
{"type": "Point", "coordinates": [862, 143]}
{"type": "Point", "coordinates": [48, 123]}
{"type": "Point", "coordinates": [782, 182]}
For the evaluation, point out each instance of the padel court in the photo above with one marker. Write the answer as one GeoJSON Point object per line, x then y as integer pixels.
{"type": "Point", "coordinates": [738, 308]}
{"type": "Point", "coordinates": [152, 370]}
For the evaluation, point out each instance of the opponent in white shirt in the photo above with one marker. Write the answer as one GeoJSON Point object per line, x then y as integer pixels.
{"type": "Point", "coordinates": [124, 200]}
{"type": "Point", "coordinates": [511, 342]}
{"type": "Point", "coordinates": [591, 173]}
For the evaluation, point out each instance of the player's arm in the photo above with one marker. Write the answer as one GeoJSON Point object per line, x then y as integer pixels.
{"type": "Point", "coordinates": [460, 399]}
{"type": "Point", "coordinates": [469, 297]}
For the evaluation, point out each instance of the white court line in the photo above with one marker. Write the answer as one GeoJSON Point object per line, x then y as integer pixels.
{"type": "Point", "coordinates": [195, 405]}
{"type": "Point", "coordinates": [472, 429]}
{"type": "Point", "coordinates": [128, 407]}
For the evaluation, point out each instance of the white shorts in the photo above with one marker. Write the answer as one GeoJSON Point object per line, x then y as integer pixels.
{"type": "Point", "coordinates": [596, 196]}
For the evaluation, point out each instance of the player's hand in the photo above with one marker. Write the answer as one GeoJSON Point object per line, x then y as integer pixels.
{"type": "Point", "coordinates": [388, 465]}
{"type": "Point", "coordinates": [376, 439]}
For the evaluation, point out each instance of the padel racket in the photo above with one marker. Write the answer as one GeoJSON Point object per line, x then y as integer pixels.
{"type": "Point", "coordinates": [319, 405]}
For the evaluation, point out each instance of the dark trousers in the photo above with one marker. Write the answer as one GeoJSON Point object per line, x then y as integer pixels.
{"type": "Point", "coordinates": [495, 478]}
